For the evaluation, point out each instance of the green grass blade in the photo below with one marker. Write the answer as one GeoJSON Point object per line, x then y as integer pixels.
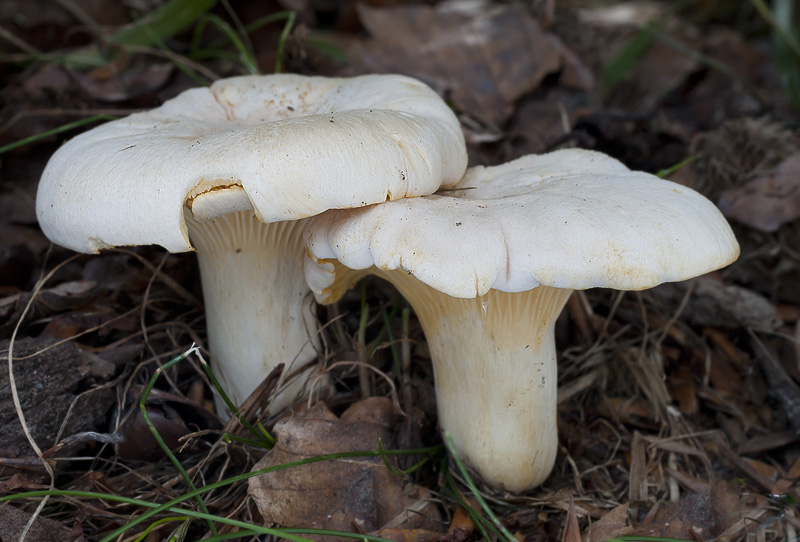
{"type": "Point", "coordinates": [666, 172]}
{"type": "Point", "coordinates": [267, 19]}
{"type": "Point", "coordinates": [167, 506]}
{"type": "Point", "coordinates": [262, 436]}
{"type": "Point", "coordinates": [386, 330]}
{"type": "Point", "coordinates": [158, 523]}
{"type": "Point", "coordinates": [240, 29]}
{"type": "Point", "coordinates": [385, 459]}
{"type": "Point", "coordinates": [170, 506]}
{"type": "Point", "coordinates": [331, 51]}
{"type": "Point", "coordinates": [787, 54]}
{"type": "Point", "coordinates": [245, 57]}
{"type": "Point", "coordinates": [229, 437]}
{"type": "Point", "coordinates": [363, 318]}
{"type": "Point", "coordinates": [287, 28]}
{"type": "Point", "coordinates": [269, 438]}
{"type": "Point", "coordinates": [54, 131]}
{"type": "Point", "coordinates": [487, 530]}
{"type": "Point", "coordinates": [780, 26]}
{"type": "Point", "coordinates": [468, 479]}
{"type": "Point", "coordinates": [636, 48]}
{"type": "Point", "coordinates": [251, 27]}
{"type": "Point", "coordinates": [157, 436]}
{"type": "Point", "coordinates": [280, 533]}
{"type": "Point", "coordinates": [162, 23]}
{"type": "Point", "coordinates": [150, 30]}
{"type": "Point", "coordinates": [626, 60]}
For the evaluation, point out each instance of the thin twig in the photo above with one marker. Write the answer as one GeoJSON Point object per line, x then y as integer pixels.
{"type": "Point", "coordinates": [15, 393]}
{"type": "Point", "coordinates": [18, 42]}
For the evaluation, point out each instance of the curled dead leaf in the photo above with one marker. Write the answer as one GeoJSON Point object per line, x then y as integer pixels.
{"type": "Point", "coordinates": [768, 201]}
{"type": "Point", "coordinates": [612, 524]}
{"type": "Point", "coordinates": [474, 56]}
{"type": "Point", "coordinates": [358, 493]}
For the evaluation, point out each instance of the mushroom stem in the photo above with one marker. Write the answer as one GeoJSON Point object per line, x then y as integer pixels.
{"type": "Point", "coordinates": [494, 362]}
{"type": "Point", "coordinates": [242, 260]}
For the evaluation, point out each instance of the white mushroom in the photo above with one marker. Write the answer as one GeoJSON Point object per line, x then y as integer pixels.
{"type": "Point", "coordinates": [236, 167]}
{"type": "Point", "coordinates": [488, 268]}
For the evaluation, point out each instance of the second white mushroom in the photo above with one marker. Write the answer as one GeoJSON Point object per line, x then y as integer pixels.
{"type": "Point", "coordinates": [489, 267]}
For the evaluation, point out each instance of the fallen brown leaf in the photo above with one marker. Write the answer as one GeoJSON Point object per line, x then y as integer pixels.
{"type": "Point", "coordinates": [723, 375]}
{"type": "Point", "coordinates": [474, 58]}
{"type": "Point", "coordinates": [768, 201]}
{"type": "Point", "coordinates": [632, 411]}
{"type": "Point", "coordinates": [682, 389]}
{"type": "Point", "coordinates": [715, 98]}
{"type": "Point", "coordinates": [689, 482]}
{"type": "Point", "coordinates": [13, 521]}
{"type": "Point", "coordinates": [762, 443]}
{"type": "Point", "coordinates": [788, 313]}
{"type": "Point", "coordinates": [794, 471]}
{"type": "Point", "coordinates": [541, 123]}
{"type": "Point", "coordinates": [461, 526]}
{"type": "Point", "coordinates": [704, 515]}
{"type": "Point", "coordinates": [356, 494]}
{"type": "Point", "coordinates": [67, 295]}
{"type": "Point", "coordinates": [572, 532]}
{"type": "Point", "coordinates": [614, 523]}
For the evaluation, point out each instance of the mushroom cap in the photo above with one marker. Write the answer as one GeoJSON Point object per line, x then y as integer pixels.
{"type": "Point", "coordinates": [286, 146]}
{"type": "Point", "coordinates": [570, 219]}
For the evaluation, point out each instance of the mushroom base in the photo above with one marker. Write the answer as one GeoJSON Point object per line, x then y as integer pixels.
{"type": "Point", "coordinates": [259, 311]}
{"type": "Point", "coordinates": [494, 361]}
